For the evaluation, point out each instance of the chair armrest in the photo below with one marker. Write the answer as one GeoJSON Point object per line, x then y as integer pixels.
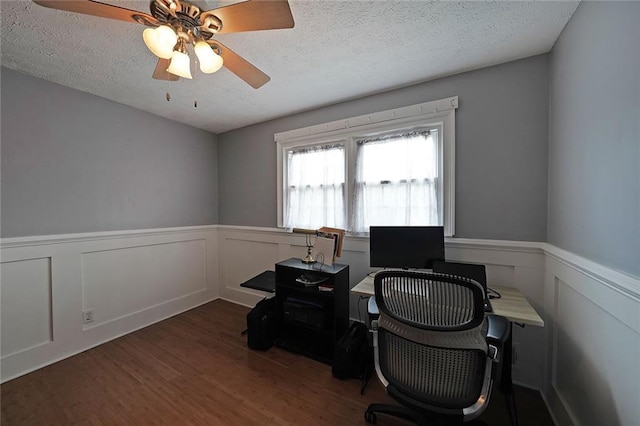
{"type": "Point", "coordinates": [372, 307]}
{"type": "Point", "coordinates": [498, 330]}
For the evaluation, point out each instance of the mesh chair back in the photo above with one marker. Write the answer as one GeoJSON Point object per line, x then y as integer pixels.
{"type": "Point", "coordinates": [431, 344]}
{"type": "Point", "coordinates": [441, 377]}
{"type": "Point", "coordinates": [430, 301]}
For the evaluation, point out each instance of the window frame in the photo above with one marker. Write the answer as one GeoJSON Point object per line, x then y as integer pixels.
{"type": "Point", "coordinates": [438, 114]}
{"type": "Point", "coordinates": [284, 170]}
{"type": "Point", "coordinates": [412, 127]}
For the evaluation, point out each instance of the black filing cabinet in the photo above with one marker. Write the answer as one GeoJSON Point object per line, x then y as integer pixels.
{"type": "Point", "coordinates": [311, 320]}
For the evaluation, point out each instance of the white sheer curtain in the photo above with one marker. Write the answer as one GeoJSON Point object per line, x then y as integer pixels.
{"type": "Point", "coordinates": [397, 181]}
{"type": "Point", "coordinates": [316, 187]}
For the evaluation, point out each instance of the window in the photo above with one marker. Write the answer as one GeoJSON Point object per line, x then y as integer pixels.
{"type": "Point", "coordinates": [315, 187]}
{"type": "Point", "coordinates": [390, 168]}
{"type": "Point", "coordinates": [396, 181]}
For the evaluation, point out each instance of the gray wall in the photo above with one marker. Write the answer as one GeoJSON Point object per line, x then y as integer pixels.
{"type": "Point", "coordinates": [501, 151]}
{"type": "Point", "coordinates": [594, 136]}
{"type": "Point", "coordinates": [74, 162]}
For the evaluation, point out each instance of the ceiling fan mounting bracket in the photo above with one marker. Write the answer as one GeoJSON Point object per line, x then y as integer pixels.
{"type": "Point", "coordinates": [145, 20]}
{"type": "Point", "coordinates": [186, 16]}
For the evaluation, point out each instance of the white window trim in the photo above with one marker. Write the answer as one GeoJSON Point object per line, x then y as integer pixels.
{"type": "Point", "coordinates": [439, 113]}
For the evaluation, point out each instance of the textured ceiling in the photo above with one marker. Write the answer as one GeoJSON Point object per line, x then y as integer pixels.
{"type": "Point", "coordinates": [338, 50]}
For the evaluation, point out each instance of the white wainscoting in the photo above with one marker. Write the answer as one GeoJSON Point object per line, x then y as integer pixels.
{"type": "Point", "coordinates": [245, 252]}
{"type": "Point", "coordinates": [129, 279]}
{"type": "Point", "coordinates": [592, 374]}
{"type": "Point", "coordinates": [584, 361]}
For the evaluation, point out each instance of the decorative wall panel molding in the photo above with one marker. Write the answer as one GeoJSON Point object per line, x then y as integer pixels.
{"type": "Point", "coordinates": [26, 305]}
{"type": "Point", "coordinates": [593, 341]}
{"type": "Point", "coordinates": [127, 279]}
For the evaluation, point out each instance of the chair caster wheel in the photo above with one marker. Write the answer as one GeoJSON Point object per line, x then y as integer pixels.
{"type": "Point", "coordinates": [370, 417]}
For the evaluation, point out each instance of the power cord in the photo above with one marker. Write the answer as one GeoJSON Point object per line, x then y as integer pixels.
{"type": "Point", "coordinates": [493, 294]}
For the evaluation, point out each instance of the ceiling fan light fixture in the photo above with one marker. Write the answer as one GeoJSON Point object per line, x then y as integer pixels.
{"type": "Point", "coordinates": [180, 65]}
{"type": "Point", "coordinates": [160, 41]}
{"type": "Point", "coordinates": [210, 61]}
{"type": "Point", "coordinates": [179, 24]}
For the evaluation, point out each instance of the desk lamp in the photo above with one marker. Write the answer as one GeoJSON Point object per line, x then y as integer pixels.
{"type": "Point", "coordinates": [309, 234]}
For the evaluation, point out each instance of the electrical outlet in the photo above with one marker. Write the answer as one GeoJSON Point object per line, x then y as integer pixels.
{"type": "Point", "coordinates": [88, 316]}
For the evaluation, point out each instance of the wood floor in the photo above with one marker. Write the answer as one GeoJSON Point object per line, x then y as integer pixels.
{"type": "Point", "coordinates": [196, 369]}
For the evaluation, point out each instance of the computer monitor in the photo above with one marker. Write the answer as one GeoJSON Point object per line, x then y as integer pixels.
{"type": "Point", "coordinates": [408, 247]}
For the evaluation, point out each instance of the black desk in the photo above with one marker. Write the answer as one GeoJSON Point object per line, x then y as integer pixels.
{"type": "Point", "coordinates": [310, 321]}
{"type": "Point", "coordinates": [265, 281]}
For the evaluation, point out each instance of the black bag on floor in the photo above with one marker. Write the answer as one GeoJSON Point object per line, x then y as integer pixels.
{"type": "Point", "coordinates": [353, 358]}
{"type": "Point", "coordinates": [261, 324]}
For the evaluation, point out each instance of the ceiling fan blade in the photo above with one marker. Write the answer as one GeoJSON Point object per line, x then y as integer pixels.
{"type": "Point", "coordinates": [240, 66]}
{"type": "Point", "coordinates": [253, 15]}
{"type": "Point", "coordinates": [161, 73]}
{"type": "Point", "coordinates": [94, 8]}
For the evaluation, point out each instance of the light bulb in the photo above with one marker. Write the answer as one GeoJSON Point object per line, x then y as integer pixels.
{"type": "Point", "coordinates": [180, 65]}
{"type": "Point", "coordinates": [160, 41]}
{"type": "Point", "coordinates": [210, 61]}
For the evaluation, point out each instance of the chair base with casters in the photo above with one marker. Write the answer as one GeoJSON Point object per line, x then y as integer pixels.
{"type": "Point", "coordinates": [395, 411]}
{"type": "Point", "coordinates": [420, 418]}
{"type": "Point", "coordinates": [392, 410]}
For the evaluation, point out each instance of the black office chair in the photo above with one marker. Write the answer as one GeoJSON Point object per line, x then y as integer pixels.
{"type": "Point", "coordinates": [430, 346]}
{"type": "Point", "coordinates": [498, 334]}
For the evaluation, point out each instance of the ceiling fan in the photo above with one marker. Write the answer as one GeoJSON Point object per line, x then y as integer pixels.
{"type": "Point", "coordinates": [176, 25]}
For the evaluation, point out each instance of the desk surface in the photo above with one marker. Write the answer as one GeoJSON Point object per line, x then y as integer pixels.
{"type": "Point", "coordinates": [512, 305]}
{"type": "Point", "coordinates": [265, 281]}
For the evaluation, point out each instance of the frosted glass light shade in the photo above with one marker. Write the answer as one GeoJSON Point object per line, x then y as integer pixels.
{"type": "Point", "coordinates": [160, 41]}
{"type": "Point", "coordinates": [180, 65]}
{"type": "Point", "coordinates": [210, 61]}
